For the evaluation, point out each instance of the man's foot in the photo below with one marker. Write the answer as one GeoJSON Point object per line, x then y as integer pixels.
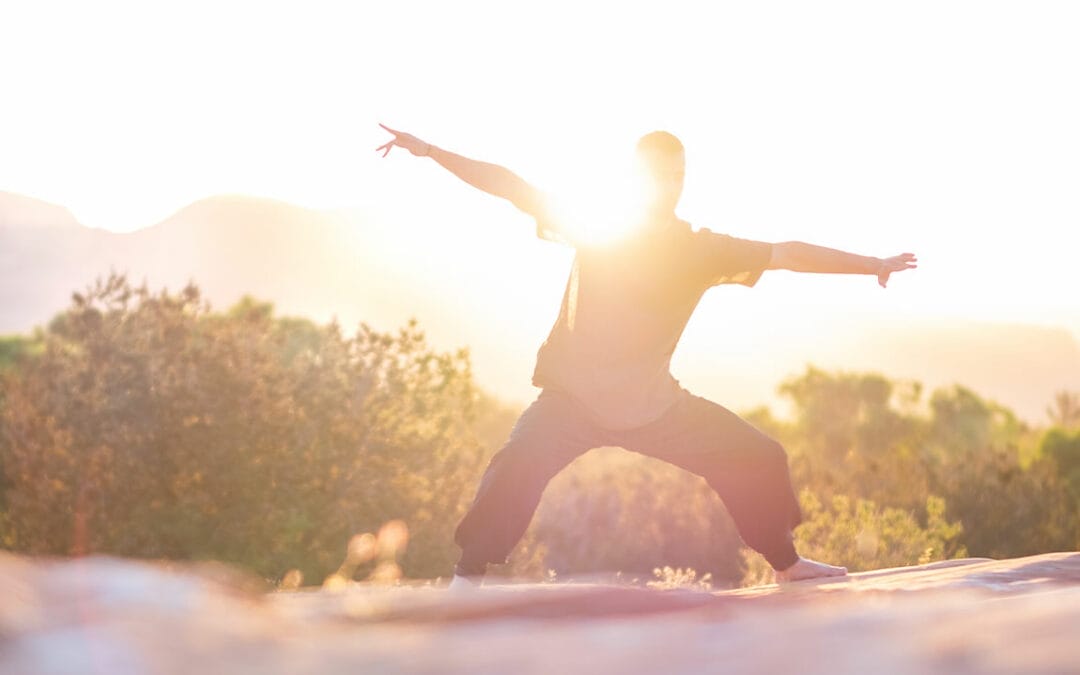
{"type": "Point", "coordinates": [467, 574]}
{"type": "Point", "coordinates": [460, 583]}
{"type": "Point", "coordinates": [808, 569]}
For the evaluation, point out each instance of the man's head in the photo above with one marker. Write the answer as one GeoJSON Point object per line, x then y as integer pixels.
{"type": "Point", "coordinates": [662, 161]}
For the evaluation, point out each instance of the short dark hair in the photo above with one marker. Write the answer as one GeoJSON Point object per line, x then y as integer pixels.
{"type": "Point", "coordinates": [658, 144]}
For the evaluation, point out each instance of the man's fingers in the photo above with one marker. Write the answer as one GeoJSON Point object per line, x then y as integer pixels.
{"type": "Point", "coordinates": [388, 146]}
{"type": "Point", "coordinates": [384, 145]}
{"type": "Point", "coordinates": [389, 129]}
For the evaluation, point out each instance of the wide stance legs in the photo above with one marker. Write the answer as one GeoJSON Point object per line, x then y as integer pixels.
{"type": "Point", "coordinates": [746, 468]}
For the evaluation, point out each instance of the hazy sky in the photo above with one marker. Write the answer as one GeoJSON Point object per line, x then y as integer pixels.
{"type": "Point", "coordinates": [944, 128]}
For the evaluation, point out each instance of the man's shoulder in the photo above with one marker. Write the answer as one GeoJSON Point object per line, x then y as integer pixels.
{"type": "Point", "coordinates": [708, 234]}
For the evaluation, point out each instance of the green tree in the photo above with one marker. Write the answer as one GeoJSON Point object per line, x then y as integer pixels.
{"type": "Point", "coordinates": [974, 451]}
{"type": "Point", "coordinates": [855, 434]}
{"type": "Point", "coordinates": [15, 348]}
{"type": "Point", "coordinates": [1065, 410]}
{"type": "Point", "coordinates": [1063, 448]}
{"type": "Point", "coordinates": [151, 426]}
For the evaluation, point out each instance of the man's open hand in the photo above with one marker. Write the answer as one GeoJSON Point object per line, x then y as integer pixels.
{"type": "Point", "coordinates": [897, 263]}
{"type": "Point", "coordinates": [401, 139]}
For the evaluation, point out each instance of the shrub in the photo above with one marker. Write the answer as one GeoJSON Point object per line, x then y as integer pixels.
{"type": "Point", "coordinates": [150, 426]}
{"type": "Point", "coordinates": [862, 535]}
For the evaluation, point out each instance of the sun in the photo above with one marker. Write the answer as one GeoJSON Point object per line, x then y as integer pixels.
{"type": "Point", "coordinates": [600, 207]}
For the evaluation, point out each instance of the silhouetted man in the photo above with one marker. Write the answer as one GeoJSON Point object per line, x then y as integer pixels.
{"type": "Point", "coordinates": [604, 368]}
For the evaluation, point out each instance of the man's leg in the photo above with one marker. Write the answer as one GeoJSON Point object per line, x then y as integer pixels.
{"type": "Point", "coordinates": [551, 433]}
{"type": "Point", "coordinates": [747, 468]}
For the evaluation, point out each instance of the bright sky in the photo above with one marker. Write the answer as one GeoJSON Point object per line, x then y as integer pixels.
{"type": "Point", "coordinates": [944, 128]}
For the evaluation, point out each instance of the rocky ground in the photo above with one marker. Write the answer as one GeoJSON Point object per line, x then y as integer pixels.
{"type": "Point", "coordinates": [105, 615]}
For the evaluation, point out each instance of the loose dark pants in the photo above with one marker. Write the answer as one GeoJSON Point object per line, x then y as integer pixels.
{"type": "Point", "coordinates": [747, 469]}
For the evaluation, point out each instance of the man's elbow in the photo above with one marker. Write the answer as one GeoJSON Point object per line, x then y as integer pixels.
{"type": "Point", "coordinates": [524, 196]}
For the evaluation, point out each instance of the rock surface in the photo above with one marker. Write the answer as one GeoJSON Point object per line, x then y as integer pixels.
{"type": "Point", "coordinates": [105, 615]}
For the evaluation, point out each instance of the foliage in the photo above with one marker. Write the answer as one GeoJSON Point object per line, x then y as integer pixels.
{"type": "Point", "coordinates": [856, 435]}
{"type": "Point", "coordinates": [149, 426]}
{"type": "Point", "coordinates": [974, 459]}
{"type": "Point", "coordinates": [862, 535]}
{"type": "Point", "coordinates": [15, 348]}
{"type": "Point", "coordinates": [1063, 449]}
{"type": "Point", "coordinates": [853, 434]}
{"type": "Point", "coordinates": [1065, 410]}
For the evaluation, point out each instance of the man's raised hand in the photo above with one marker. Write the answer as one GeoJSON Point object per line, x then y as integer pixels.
{"type": "Point", "coordinates": [897, 263]}
{"type": "Point", "coordinates": [401, 139]}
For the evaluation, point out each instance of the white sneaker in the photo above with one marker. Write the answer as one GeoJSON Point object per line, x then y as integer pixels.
{"type": "Point", "coordinates": [459, 583]}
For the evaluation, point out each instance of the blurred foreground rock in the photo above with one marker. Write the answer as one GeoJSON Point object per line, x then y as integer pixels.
{"type": "Point", "coordinates": [104, 615]}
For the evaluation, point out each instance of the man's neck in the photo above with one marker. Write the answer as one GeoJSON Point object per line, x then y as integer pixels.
{"type": "Point", "coordinates": [662, 218]}
{"type": "Point", "coordinates": [664, 221]}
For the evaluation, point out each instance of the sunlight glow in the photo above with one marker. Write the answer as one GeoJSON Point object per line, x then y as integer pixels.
{"type": "Point", "coordinates": [604, 208]}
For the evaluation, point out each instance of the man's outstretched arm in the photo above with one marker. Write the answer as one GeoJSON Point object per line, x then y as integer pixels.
{"type": "Point", "coordinates": [798, 256]}
{"type": "Point", "coordinates": [491, 178]}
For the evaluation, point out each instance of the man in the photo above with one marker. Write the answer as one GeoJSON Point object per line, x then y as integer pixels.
{"type": "Point", "coordinates": [604, 369]}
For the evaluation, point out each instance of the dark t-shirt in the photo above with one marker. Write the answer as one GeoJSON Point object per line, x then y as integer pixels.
{"type": "Point", "coordinates": [625, 307]}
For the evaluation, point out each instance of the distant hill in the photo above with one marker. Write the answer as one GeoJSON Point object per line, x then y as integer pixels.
{"type": "Point", "coordinates": [1014, 364]}
{"type": "Point", "coordinates": [308, 262]}
{"type": "Point", "coordinates": [323, 264]}
{"type": "Point", "coordinates": [20, 211]}
{"type": "Point", "coordinates": [1020, 366]}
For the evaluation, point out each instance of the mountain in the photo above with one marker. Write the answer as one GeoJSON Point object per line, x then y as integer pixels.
{"type": "Point", "coordinates": [20, 211]}
{"type": "Point", "coordinates": [326, 264]}
{"type": "Point", "coordinates": [308, 262]}
{"type": "Point", "coordinates": [1015, 364]}
{"type": "Point", "coordinates": [1018, 365]}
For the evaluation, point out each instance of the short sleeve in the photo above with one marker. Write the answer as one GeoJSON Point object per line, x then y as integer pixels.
{"type": "Point", "coordinates": [723, 259]}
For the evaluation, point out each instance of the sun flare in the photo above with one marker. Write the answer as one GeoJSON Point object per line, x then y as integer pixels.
{"type": "Point", "coordinates": [601, 208]}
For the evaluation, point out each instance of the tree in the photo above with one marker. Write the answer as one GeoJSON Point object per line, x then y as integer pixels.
{"type": "Point", "coordinates": [1063, 448]}
{"type": "Point", "coordinates": [1065, 410]}
{"type": "Point", "coordinates": [854, 435]}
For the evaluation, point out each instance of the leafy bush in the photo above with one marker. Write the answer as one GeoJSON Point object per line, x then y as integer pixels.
{"type": "Point", "coordinates": [861, 535]}
{"type": "Point", "coordinates": [860, 436]}
{"type": "Point", "coordinates": [149, 426]}
{"type": "Point", "coordinates": [1063, 449]}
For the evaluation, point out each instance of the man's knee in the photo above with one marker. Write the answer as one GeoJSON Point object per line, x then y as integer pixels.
{"type": "Point", "coordinates": [772, 450]}
{"type": "Point", "coordinates": [522, 464]}
{"type": "Point", "coordinates": [519, 451]}
{"type": "Point", "coordinates": [762, 452]}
